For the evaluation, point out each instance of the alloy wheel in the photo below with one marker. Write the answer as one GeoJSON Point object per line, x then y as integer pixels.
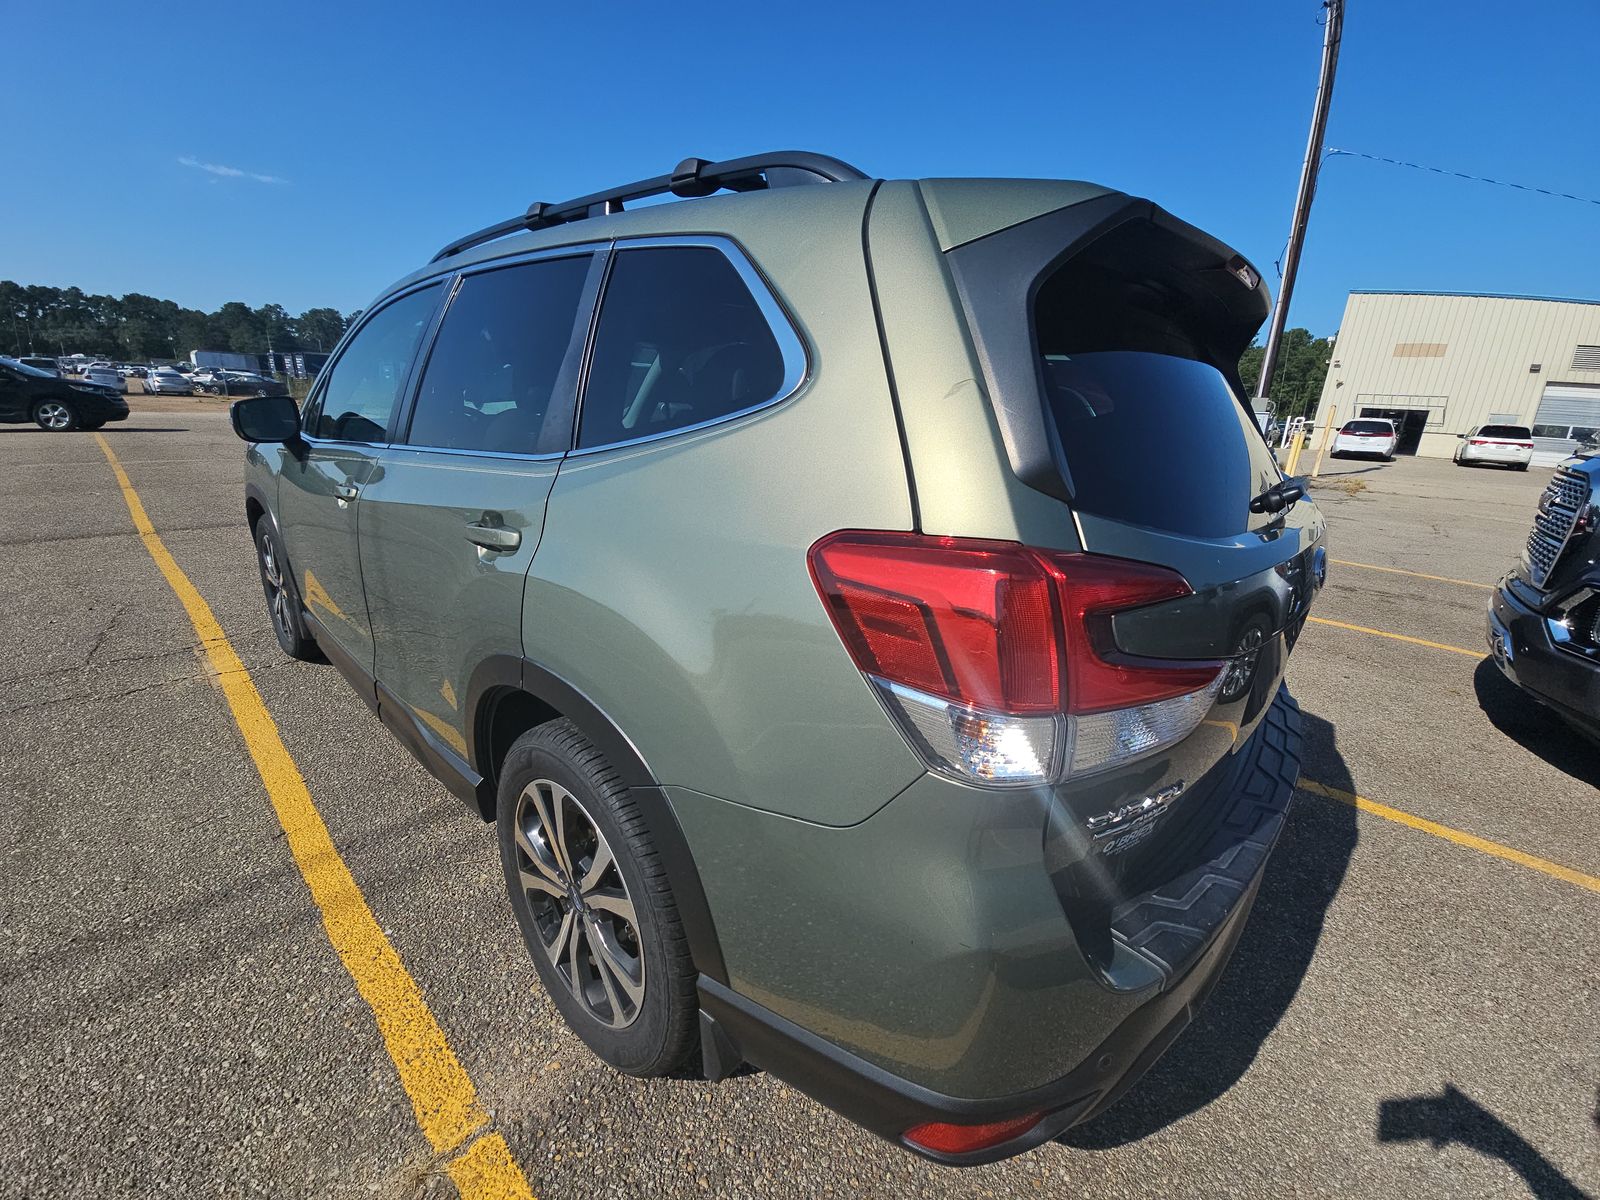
{"type": "Point", "coordinates": [583, 915]}
{"type": "Point", "coordinates": [277, 594]}
{"type": "Point", "coordinates": [54, 415]}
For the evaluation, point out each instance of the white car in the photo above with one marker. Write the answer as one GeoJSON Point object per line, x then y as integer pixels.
{"type": "Point", "coordinates": [105, 377]}
{"type": "Point", "coordinates": [1508, 445]}
{"type": "Point", "coordinates": [1369, 435]}
{"type": "Point", "coordinates": [162, 381]}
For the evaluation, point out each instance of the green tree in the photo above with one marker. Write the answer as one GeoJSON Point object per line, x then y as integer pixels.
{"type": "Point", "coordinates": [319, 328]}
{"type": "Point", "coordinates": [1302, 367]}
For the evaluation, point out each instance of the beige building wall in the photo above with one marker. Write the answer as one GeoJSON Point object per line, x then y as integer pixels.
{"type": "Point", "coordinates": [1463, 358]}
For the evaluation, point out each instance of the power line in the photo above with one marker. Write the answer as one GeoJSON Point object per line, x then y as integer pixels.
{"type": "Point", "coordinates": [1521, 187]}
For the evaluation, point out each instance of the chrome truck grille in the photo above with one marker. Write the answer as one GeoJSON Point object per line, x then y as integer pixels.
{"type": "Point", "coordinates": [1563, 500]}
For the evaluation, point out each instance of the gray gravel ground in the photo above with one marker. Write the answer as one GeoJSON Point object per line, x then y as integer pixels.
{"type": "Point", "coordinates": [1404, 1017]}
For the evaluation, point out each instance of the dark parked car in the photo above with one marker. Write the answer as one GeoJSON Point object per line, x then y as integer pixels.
{"type": "Point", "coordinates": [30, 394]}
{"type": "Point", "coordinates": [239, 383]}
{"type": "Point", "coordinates": [1544, 619]}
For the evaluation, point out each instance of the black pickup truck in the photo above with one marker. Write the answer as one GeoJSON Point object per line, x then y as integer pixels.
{"type": "Point", "coordinates": [1544, 619]}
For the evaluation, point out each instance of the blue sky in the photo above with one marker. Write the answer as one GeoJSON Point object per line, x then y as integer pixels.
{"type": "Point", "coordinates": [364, 135]}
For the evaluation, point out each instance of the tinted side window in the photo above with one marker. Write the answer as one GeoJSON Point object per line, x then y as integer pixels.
{"type": "Point", "coordinates": [681, 341]}
{"type": "Point", "coordinates": [359, 398]}
{"type": "Point", "coordinates": [493, 368]}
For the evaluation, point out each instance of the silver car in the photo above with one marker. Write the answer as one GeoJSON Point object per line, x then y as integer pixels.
{"type": "Point", "coordinates": [163, 381]}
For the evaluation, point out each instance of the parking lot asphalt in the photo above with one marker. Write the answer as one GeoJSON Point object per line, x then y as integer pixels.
{"type": "Point", "coordinates": [1405, 1016]}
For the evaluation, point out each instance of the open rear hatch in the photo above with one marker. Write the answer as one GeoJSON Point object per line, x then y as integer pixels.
{"type": "Point", "coordinates": [1109, 333]}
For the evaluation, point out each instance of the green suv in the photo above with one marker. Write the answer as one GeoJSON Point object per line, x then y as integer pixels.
{"type": "Point", "coordinates": [861, 604]}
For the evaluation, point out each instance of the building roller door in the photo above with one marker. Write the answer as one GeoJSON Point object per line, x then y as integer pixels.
{"type": "Point", "coordinates": [1569, 413]}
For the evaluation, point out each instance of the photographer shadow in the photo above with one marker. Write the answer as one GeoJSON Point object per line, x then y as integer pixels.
{"type": "Point", "coordinates": [1453, 1116]}
{"type": "Point", "coordinates": [1272, 957]}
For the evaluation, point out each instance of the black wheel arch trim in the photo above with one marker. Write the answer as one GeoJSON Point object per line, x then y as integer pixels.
{"type": "Point", "coordinates": [501, 675]}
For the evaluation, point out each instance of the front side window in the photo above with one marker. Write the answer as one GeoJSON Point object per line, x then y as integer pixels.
{"type": "Point", "coordinates": [358, 401]}
{"type": "Point", "coordinates": [681, 341]}
{"type": "Point", "coordinates": [494, 368]}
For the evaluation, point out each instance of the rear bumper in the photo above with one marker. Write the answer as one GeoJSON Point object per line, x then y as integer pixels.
{"type": "Point", "coordinates": [1043, 1004]}
{"type": "Point", "coordinates": [1526, 648]}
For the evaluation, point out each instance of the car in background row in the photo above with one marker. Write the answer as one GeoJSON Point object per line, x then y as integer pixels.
{"type": "Point", "coordinates": [104, 377]}
{"type": "Point", "coordinates": [1544, 618]}
{"type": "Point", "coordinates": [241, 383]}
{"type": "Point", "coordinates": [132, 371]}
{"type": "Point", "coordinates": [1370, 435]}
{"type": "Point", "coordinates": [56, 404]}
{"type": "Point", "coordinates": [165, 381]}
{"type": "Point", "coordinates": [42, 364]}
{"type": "Point", "coordinates": [1506, 445]}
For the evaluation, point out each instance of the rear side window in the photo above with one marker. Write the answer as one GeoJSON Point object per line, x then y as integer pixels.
{"type": "Point", "coordinates": [1381, 428]}
{"type": "Point", "coordinates": [358, 402]}
{"type": "Point", "coordinates": [681, 341]}
{"type": "Point", "coordinates": [1511, 432]}
{"type": "Point", "coordinates": [492, 374]}
{"type": "Point", "coordinates": [1151, 434]}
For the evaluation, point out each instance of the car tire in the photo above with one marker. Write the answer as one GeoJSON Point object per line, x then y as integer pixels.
{"type": "Point", "coordinates": [625, 986]}
{"type": "Point", "coordinates": [55, 416]}
{"type": "Point", "coordinates": [283, 599]}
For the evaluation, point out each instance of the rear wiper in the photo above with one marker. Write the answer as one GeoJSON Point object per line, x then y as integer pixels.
{"type": "Point", "coordinates": [1279, 496]}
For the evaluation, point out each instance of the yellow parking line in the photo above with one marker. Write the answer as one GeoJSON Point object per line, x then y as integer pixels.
{"type": "Point", "coordinates": [1399, 637]}
{"type": "Point", "coordinates": [1488, 587]}
{"type": "Point", "coordinates": [441, 1094]}
{"type": "Point", "coordinates": [1471, 841]}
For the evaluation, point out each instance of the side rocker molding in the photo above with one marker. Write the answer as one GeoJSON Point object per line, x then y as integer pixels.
{"type": "Point", "coordinates": [501, 674]}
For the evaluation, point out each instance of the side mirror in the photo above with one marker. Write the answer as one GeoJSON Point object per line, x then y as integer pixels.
{"type": "Point", "coordinates": [266, 419]}
{"type": "Point", "coordinates": [1462, 436]}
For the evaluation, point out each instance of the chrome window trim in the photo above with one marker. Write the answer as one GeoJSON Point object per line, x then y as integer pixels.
{"type": "Point", "coordinates": [505, 454]}
{"type": "Point", "coordinates": [791, 348]}
{"type": "Point", "coordinates": [408, 409]}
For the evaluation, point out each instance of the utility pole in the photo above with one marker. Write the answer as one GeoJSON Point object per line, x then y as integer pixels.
{"type": "Point", "coordinates": [1332, 31]}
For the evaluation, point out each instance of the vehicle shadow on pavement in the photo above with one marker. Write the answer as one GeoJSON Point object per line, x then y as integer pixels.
{"type": "Point", "coordinates": [1454, 1117]}
{"type": "Point", "coordinates": [1534, 727]}
{"type": "Point", "coordinates": [1273, 955]}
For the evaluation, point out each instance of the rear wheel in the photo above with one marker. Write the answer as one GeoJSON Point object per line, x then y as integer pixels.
{"type": "Point", "coordinates": [593, 902]}
{"type": "Point", "coordinates": [55, 415]}
{"type": "Point", "coordinates": [283, 601]}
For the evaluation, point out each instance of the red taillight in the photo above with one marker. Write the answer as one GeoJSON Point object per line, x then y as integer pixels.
{"type": "Point", "coordinates": [1524, 445]}
{"type": "Point", "coordinates": [1092, 589]}
{"type": "Point", "coordinates": [944, 1138]}
{"type": "Point", "coordinates": [1477, 442]}
{"type": "Point", "coordinates": [968, 621]}
{"type": "Point", "coordinates": [996, 625]}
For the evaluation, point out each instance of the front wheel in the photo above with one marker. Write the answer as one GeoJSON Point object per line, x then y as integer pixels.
{"type": "Point", "coordinates": [594, 905]}
{"type": "Point", "coordinates": [283, 602]}
{"type": "Point", "coordinates": [55, 415]}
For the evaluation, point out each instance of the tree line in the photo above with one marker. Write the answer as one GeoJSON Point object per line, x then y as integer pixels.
{"type": "Point", "coordinates": [60, 321]}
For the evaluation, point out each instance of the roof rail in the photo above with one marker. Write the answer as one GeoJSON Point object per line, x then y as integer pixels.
{"type": "Point", "coordinates": [690, 178]}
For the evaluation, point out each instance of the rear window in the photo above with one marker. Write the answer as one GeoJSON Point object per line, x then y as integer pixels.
{"type": "Point", "coordinates": [1512, 432]}
{"type": "Point", "coordinates": [1382, 428]}
{"type": "Point", "coordinates": [1157, 440]}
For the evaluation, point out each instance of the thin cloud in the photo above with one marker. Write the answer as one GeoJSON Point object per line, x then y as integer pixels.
{"type": "Point", "coordinates": [189, 160]}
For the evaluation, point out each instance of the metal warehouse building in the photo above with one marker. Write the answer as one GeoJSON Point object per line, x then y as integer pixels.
{"type": "Point", "coordinates": [1438, 364]}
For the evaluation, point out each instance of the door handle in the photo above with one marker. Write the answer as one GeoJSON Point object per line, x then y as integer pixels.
{"type": "Point", "coordinates": [345, 491]}
{"type": "Point", "coordinates": [491, 535]}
